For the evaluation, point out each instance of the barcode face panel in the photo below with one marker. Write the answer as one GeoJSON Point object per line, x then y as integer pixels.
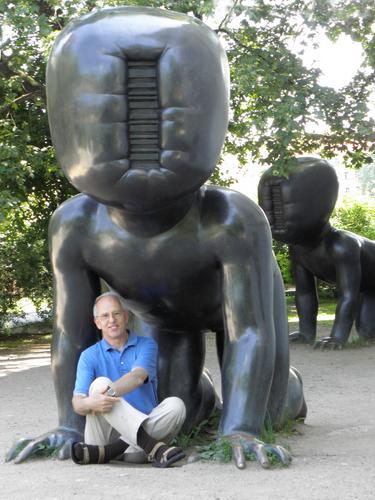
{"type": "Point", "coordinates": [277, 208]}
{"type": "Point", "coordinates": [143, 101]}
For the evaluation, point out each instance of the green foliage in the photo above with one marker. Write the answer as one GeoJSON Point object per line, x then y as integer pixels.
{"type": "Point", "coordinates": [275, 99]}
{"type": "Point", "coordinates": [201, 433]}
{"type": "Point", "coordinates": [268, 433]}
{"type": "Point", "coordinates": [356, 342]}
{"type": "Point", "coordinates": [282, 256]}
{"type": "Point", "coordinates": [216, 448]}
{"type": "Point", "coordinates": [359, 218]}
{"type": "Point", "coordinates": [218, 451]}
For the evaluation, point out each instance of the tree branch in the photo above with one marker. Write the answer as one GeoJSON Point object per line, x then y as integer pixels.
{"type": "Point", "coordinates": [228, 15]}
{"type": "Point", "coordinates": [20, 99]}
{"type": "Point", "coordinates": [28, 82]}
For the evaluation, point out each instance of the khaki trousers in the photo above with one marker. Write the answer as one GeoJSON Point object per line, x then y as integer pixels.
{"type": "Point", "coordinates": [123, 421]}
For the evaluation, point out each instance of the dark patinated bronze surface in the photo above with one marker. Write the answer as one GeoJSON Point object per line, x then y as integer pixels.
{"type": "Point", "coordinates": [138, 110]}
{"type": "Point", "coordinates": [298, 209]}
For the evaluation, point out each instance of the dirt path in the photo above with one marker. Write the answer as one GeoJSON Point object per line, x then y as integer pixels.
{"type": "Point", "coordinates": [334, 455]}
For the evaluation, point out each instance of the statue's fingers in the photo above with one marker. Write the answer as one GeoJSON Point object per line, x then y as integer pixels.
{"type": "Point", "coordinates": [281, 453]}
{"type": "Point", "coordinates": [239, 456]}
{"type": "Point", "coordinates": [30, 449]}
{"type": "Point", "coordinates": [294, 336]}
{"type": "Point", "coordinates": [337, 346]}
{"type": "Point", "coordinates": [261, 456]}
{"type": "Point", "coordinates": [17, 447]}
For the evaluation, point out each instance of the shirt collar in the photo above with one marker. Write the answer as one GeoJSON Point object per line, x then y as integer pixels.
{"type": "Point", "coordinates": [132, 340]}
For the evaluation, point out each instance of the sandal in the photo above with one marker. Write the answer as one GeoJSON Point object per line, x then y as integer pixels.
{"type": "Point", "coordinates": [163, 456]}
{"type": "Point", "coordinates": [97, 455]}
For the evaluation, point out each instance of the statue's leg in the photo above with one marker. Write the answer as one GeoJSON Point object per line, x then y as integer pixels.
{"type": "Point", "coordinates": [365, 321]}
{"type": "Point", "coordinates": [220, 345]}
{"type": "Point", "coordinates": [181, 372]}
{"type": "Point", "coordinates": [279, 386]}
{"type": "Point", "coordinates": [65, 353]}
{"type": "Point", "coordinates": [286, 396]}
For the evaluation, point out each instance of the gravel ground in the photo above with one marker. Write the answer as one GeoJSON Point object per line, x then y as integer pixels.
{"type": "Point", "coordinates": [333, 452]}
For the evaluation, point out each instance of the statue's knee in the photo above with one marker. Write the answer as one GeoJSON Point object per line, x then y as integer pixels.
{"type": "Point", "coordinates": [295, 405]}
{"type": "Point", "coordinates": [99, 385]}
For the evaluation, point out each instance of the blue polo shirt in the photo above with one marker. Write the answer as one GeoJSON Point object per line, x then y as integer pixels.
{"type": "Point", "coordinates": [103, 360]}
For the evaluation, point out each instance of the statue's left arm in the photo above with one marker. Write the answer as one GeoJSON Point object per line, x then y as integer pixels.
{"type": "Point", "coordinates": [250, 343]}
{"type": "Point", "coordinates": [345, 253]}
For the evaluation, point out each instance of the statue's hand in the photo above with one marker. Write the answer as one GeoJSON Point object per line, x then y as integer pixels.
{"type": "Point", "coordinates": [246, 443]}
{"type": "Point", "coordinates": [298, 337]}
{"type": "Point", "coordinates": [326, 343]}
{"type": "Point", "coordinates": [58, 440]}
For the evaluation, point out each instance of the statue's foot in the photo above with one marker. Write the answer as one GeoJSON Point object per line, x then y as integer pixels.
{"type": "Point", "coordinates": [298, 338]}
{"type": "Point", "coordinates": [243, 443]}
{"type": "Point", "coordinates": [328, 343]}
{"type": "Point", "coordinates": [57, 441]}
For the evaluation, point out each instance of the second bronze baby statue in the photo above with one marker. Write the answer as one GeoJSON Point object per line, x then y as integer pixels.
{"type": "Point", "coordinates": [298, 208]}
{"type": "Point", "coordinates": [138, 110]}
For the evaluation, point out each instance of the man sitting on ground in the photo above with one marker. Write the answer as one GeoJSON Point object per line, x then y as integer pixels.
{"type": "Point", "coordinates": [115, 389]}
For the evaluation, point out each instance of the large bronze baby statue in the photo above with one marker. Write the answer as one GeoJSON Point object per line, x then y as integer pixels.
{"type": "Point", "coordinates": [298, 209]}
{"type": "Point", "coordinates": [138, 106]}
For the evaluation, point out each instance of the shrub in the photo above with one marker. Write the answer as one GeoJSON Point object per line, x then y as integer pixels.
{"type": "Point", "coordinates": [282, 256]}
{"type": "Point", "coordinates": [359, 218]}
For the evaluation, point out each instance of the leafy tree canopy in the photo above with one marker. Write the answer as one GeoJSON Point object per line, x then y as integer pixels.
{"type": "Point", "coordinates": [275, 99]}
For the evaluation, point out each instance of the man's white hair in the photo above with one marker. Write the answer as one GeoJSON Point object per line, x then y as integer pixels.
{"type": "Point", "coordinates": [109, 294]}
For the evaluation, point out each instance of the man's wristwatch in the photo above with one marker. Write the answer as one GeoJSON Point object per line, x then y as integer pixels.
{"type": "Point", "coordinates": [111, 392]}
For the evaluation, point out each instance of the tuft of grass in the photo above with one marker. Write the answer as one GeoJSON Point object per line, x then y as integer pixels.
{"type": "Point", "coordinates": [201, 434]}
{"type": "Point", "coordinates": [356, 342]}
{"type": "Point", "coordinates": [211, 447]}
{"type": "Point", "coordinates": [218, 451]}
{"type": "Point", "coordinates": [268, 434]}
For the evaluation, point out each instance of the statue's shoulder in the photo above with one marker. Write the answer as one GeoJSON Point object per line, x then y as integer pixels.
{"type": "Point", "coordinates": [74, 210]}
{"type": "Point", "coordinates": [73, 215]}
{"type": "Point", "coordinates": [227, 206]}
{"type": "Point", "coordinates": [344, 244]}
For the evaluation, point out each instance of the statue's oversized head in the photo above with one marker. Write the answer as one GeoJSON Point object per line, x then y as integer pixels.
{"type": "Point", "coordinates": [298, 207]}
{"type": "Point", "coordinates": [138, 105]}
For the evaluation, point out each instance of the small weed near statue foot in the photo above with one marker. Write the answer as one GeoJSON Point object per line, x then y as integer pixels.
{"type": "Point", "coordinates": [204, 443]}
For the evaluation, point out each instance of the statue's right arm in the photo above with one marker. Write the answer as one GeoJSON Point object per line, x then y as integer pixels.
{"type": "Point", "coordinates": [75, 289]}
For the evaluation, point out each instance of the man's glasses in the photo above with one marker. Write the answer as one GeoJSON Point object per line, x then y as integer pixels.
{"type": "Point", "coordinates": [107, 316]}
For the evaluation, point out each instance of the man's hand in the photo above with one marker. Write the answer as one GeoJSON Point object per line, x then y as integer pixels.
{"type": "Point", "coordinates": [98, 402]}
{"type": "Point", "coordinates": [58, 440]}
{"type": "Point", "coordinates": [101, 402]}
{"type": "Point", "coordinates": [246, 443]}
